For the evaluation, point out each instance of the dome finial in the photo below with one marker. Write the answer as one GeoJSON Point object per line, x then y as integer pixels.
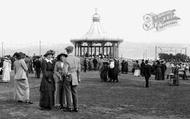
{"type": "Point", "coordinates": [96, 16]}
{"type": "Point", "coordinates": [96, 11]}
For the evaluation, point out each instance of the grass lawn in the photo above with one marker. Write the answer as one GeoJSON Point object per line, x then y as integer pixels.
{"type": "Point", "coordinates": [127, 99]}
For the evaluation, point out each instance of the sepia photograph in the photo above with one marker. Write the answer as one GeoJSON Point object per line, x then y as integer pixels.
{"type": "Point", "coordinates": [94, 59]}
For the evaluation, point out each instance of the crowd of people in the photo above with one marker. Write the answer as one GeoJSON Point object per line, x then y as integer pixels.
{"type": "Point", "coordinates": [60, 78]}
{"type": "Point", "coordinates": [61, 75]}
{"type": "Point", "coordinates": [111, 67]}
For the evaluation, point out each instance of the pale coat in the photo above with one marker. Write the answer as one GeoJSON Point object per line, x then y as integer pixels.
{"type": "Point", "coordinates": [20, 69]}
{"type": "Point", "coordinates": [74, 67]}
{"type": "Point", "coordinates": [60, 69]}
{"type": "Point", "coordinates": [6, 70]}
{"type": "Point", "coordinates": [21, 85]}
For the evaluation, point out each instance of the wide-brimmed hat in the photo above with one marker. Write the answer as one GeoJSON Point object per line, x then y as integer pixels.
{"type": "Point", "coordinates": [61, 54]}
{"type": "Point", "coordinates": [49, 52]}
{"type": "Point", "coordinates": [16, 54]}
{"type": "Point", "coordinates": [6, 57]}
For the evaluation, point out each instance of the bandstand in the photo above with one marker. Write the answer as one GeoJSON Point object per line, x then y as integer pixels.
{"type": "Point", "coordinates": [96, 42]}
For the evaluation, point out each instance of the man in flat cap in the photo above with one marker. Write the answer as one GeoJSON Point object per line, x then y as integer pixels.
{"type": "Point", "coordinates": [71, 86]}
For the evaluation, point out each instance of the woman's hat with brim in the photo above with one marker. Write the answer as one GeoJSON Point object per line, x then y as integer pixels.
{"type": "Point", "coordinates": [49, 52]}
{"type": "Point", "coordinates": [6, 57]}
{"type": "Point", "coordinates": [62, 54]}
{"type": "Point", "coordinates": [16, 54]}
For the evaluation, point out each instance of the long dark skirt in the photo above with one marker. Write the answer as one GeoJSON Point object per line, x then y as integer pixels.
{"type": "Point", "coordinates": [104, 73]}
{"type": "Point", "coordinates": [47, 99]}
{"type": "Point", "coordinates": [113, 74]}
{"type": "Point", "coordinates": [158, 75]}
{"type": "Point", "coordinates": [47, 90]}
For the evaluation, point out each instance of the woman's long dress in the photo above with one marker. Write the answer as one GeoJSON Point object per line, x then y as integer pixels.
{"type": "Point", "coordinates": [47, 86]}
{"type": "Point", "coordinates": [158, 75]}
{"type": "Point", "coordinates": [21, 85]}
{"type": "Point", "coordinates": [6, 71]}
{"type": "Point", "coordinates": [104, 71]}
{"type": "Point", "coordinates": [137, 70]}
{"type": "Point", "coordinates": [60, 70]}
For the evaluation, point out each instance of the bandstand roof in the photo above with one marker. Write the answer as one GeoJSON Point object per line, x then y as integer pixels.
{"type": "Point", "coordinates": [96, 33]}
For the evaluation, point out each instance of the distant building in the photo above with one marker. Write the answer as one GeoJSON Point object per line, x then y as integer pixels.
{"type": "Point", "coordinates": [96, 42]}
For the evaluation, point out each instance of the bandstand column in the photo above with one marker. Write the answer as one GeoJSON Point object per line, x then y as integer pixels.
{"type": "Point", "coordinates": [80, 51]}
{"type": "Point", "coordinates": [113, 49]}
{"type": "Point", "coordinates": [102, 49]}
{"type": "Point", "coordinates": [106, 50]}
{"type": "Point", "coordinates": [99, 50]}
{"type": "Point", "coordinates": [117, 50]}
{"type": "Point", "coordinates": [95, 50]}
{"type": "Point", "coordinates": [91, 51]}
{"type": "Point", "coordinates": [88, 49]}
{"type": "Point", "coordinates": [75, 49]}
{"type": "Point", "coordinates": [83, 49]}
{"type": "Point", "coordinates": [110, 51]}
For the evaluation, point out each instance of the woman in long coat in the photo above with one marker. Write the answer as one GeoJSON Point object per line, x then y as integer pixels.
{"type": "Point", "coordinates": [21, 85]}
{"type": "Point", "coordinates": [47, 86]}
{"type": "Point", "coordinates": [60, 71]}
{"type": "Point", "coordinates": [158, 74]}
{"type": "Point", "coordinates": [6, 69]}
{"type": "Point", "coordinates": [104, 67]}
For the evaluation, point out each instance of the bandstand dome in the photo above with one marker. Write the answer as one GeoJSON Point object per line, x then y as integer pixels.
{"type": "Point", "coordinates": [96, 41]}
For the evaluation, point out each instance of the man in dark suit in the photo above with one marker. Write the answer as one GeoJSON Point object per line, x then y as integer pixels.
{"type": "Point", "coordinates": [37, 66]}
{"type": "Point", "coordinates": [142, 67]}
{"type": "Point", "coordinates": [163, 69]}
{"type": "Point", "coordinates": [85, 64]}
{"type": "Point", "coordinates": [147, 73]}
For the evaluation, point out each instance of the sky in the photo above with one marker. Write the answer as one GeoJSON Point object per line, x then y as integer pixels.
{"type": "Point", "coordinates": [23, 23]}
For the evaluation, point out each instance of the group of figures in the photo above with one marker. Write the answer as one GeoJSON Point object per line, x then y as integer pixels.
{"type": "Point", "coordinates": [108, 67]}
{"type": "Point", "coordinates": [109, 70]}
{"type": "Point", "coordinates": [7, 64]}
{"type": "Point", "coordinates": [59, 82]}
{"type": "Point", "coordinates": [162, 70]}
{"type": "Point", "coordinates": [158, 68]}
{"type": "Point", "coordinates": [60, 78]}
{"type": "Point", "coordinates": [91, 64]}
